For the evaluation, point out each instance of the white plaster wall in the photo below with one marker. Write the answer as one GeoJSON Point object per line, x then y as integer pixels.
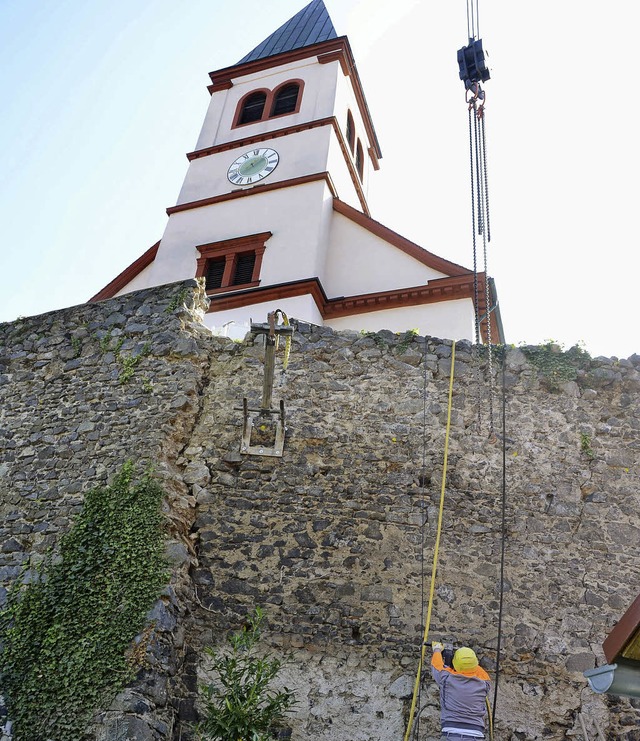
{"type": "Point", "coordinates": [294, 216]}
{"type": "Point", "coordinates": [317, 100]}
{"type": "Point", "coordinates": [361, 262]}
{"type": "Point", "coordinates": [327, 92]}
{"type": "Point", "coordinates": [238, 321]}
{"type": "Point", "coordinates": [142, 280]}
{"type": "Point", "coordinates": [346, 101]}
{"type": "Point", "coordinates": [341, 175]}
{"type": "Point", "coordinates": [452, 320]}
{"type": "Point", "coordinates": [302, 153]}
{"type": "Point", "coordinates": [211, 125]}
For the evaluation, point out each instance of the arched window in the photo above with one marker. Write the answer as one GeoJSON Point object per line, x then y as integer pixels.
{"type": "Point", "coordinates": [360, 160]}
{"type": "Point", "coordinates": [286, 99]}
{"type": "Point", "coordinates": [252, 108]}
{"type": "Point", "coordinates": [351, 131]}
{"type": "Point", "coordinates": [263, 104]}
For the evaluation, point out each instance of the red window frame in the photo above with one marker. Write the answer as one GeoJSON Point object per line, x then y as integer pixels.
{"type": "Point", "coordinates": [272, 95]}
{"type": "Point", "coordinates": [230, 249]}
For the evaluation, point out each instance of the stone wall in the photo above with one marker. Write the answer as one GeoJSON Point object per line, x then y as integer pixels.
{"type": "Point", "coordinates": [71, 413]}
{"type": "Point", "coordinates": [335, 539]}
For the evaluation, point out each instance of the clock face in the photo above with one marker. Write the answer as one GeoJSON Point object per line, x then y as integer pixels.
{"type": "Point", "coordinates": [253, 166]}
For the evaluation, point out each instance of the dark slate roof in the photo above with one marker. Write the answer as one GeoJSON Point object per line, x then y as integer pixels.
{"type": "Point", "coordinates": [310, 26]}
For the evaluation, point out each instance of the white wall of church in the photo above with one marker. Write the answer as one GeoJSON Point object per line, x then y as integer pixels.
{"type": "Point", "coordinates": [361, 262]}
{"type": "Point", "coordinates": [211, 123]}
{"type": "Point", "coordinates": [327, 92]}
{"type": "Point", "coordinates": [301, 153]}
{"type": "Point", "coordinates": [317, 101]}
{"type": "Point", "coordinates": [345, 102]}
{"type": "Point", "coordinates": [296, 217]}
{"type": "Point", "coordinates": [236, 322]}
{"type": "Point", "coordinates": [341, 175]}
{"type": "Point", "coordinates": [142, 280]}
{"type": "Point", "coordinates": [452, 320]}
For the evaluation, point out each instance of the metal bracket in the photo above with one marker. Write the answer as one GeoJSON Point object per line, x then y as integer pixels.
{"type": "Point", "coordinates": [272, 332]}
{"type": "Point", "coordinates": [247, 428]}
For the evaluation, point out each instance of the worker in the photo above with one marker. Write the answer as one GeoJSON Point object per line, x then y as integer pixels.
{"type": "Point", "coordinates": [464, 688]}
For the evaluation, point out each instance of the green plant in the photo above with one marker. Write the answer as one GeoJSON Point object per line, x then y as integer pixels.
{"type": "Point", "coordinates": [555, 365]}
{"type": "Point", "coordinates": [118, 347]}
{"type": "Point", "coordinates": [130, 363]}
{"type": "Point", "coordinates": [104, 341]}
{"type": "Point", "coordinates": [178, 299]}
{"type": "Point", "coordinates": [585, 445]}
{"type": "Point", "coordinates": [66, 634]}
{"type": "Point", "coordinates": [379, 341]}
{"type": "Point", "coordinates": [240, 703]}
{"type": "Point", "coordinates": [76, 344]}
{"type": "Point", "coordinates": [406, 340]}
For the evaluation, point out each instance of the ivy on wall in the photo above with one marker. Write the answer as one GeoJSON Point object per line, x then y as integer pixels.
{"type": "Point", "coordinates": [555, 366]}
{"type": "Point", "coordinates": [66, 635]}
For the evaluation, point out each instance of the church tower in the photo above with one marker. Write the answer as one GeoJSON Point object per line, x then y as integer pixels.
{"type": "Point", "coordinates": [273, 210]}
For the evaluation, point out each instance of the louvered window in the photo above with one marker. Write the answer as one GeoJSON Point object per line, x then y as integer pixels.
{"type": "Point", "coordinates": [286, 100]}
{"type": "Point", "coordinates": [215, 272]}
{"type": "Point", "coordinates": [351, 131]}
{"type": "Point", "coordinates": [243, 273]}
{"type": "Point", "coordinates": [360, 160]}
{"type": "Point", "coordinates": [232, 263]}
{"type": "Point", "coordinates": [253, 108]}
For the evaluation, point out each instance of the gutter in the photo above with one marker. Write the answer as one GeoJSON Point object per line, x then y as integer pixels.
{"type": "Point", "coordinates": [621, 678]}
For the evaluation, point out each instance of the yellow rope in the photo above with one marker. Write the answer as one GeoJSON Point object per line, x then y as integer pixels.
{"type": "Point", "coordinates": [287, 346]}
{"type": "Point", "coordinates": [416, 687]}
{"type": "Point", "coordinates": [488, 704]}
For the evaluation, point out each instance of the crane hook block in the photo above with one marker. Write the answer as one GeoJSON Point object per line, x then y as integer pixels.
{"type": "Point", "coordinates": [471, 63]}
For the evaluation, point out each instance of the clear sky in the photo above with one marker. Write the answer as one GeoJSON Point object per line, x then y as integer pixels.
{"type": "Point", "coordinates": [103, 98]}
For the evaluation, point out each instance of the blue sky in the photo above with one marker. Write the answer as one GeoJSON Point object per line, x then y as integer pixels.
{"type": "Point", "coordinates": [103, 99]}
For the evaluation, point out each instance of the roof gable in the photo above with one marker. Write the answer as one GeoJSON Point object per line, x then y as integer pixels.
{"type": "Point", "coordinates": [440, 264]}
{"type": "Point", "coordinates": [127, 275]}
{"type": "Point", "coordinates": [310, 26]}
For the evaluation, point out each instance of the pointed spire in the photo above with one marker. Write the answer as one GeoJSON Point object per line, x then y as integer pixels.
{"type": "Point", "coordinates": [310, 26]}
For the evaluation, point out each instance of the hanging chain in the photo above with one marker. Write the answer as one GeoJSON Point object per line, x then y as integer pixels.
{"type": "Point", "coordinates": [476, 292]}
{"type": "Point", "coordinates": [485, 170]}
{"type": "Point", "coordinates": [486, 237]}
{"type": "Point", "coordinates": [478, 168]}
{"type": "Point", "coordinates": [481, 227]}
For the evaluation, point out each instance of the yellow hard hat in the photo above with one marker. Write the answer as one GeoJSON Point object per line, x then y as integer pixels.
{"type": "Point", "coordinates": [465, 660]}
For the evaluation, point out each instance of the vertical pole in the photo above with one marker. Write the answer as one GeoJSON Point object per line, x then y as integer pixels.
{"type": "Point", "coordinates": [599, 730]}
{"type": "Point", "coordinates": [269, 369]}
{"type": "Point", "coordinates": [584, 730]}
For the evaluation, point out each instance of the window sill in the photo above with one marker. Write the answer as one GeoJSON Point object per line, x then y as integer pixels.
{"type": "Point", "coordinates": [227, 289]}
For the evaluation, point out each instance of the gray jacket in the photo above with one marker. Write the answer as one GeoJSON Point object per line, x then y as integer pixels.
{"type": "Point", "coordinates": [462, 695]}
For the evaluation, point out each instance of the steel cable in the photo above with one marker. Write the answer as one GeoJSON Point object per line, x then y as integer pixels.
{"type": "Point", "coordinates": [503, 527]}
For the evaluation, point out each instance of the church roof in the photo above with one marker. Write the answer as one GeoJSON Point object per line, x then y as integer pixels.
{"type": "Point", "coordinates": [310, 26]}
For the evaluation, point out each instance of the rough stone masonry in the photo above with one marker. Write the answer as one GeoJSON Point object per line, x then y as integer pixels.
{"type": "Point", "coordinates": [335, 539]}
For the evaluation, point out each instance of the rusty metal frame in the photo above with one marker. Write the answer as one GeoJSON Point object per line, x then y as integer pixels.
{"type": "Point", "coordinates": [271, 334]}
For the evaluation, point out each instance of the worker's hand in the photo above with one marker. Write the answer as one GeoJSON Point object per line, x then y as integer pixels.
{"type": "Point", "coordinates": [436, 646]}
{"type": "Point", "coordinates": [447, 655]}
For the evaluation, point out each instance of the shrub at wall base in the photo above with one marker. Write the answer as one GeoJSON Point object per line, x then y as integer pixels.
{"type": "Point", "coordinates": [241, 703]}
